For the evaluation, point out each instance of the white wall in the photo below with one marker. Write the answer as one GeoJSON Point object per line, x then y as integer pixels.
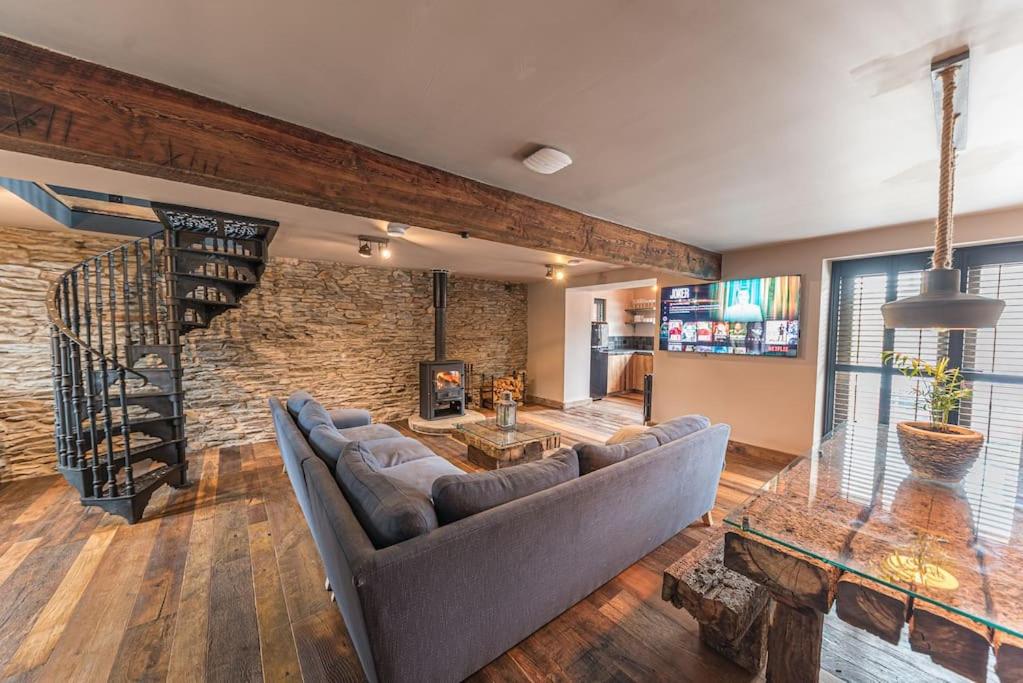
{"type": "Point", "coordinates": [776, 402]}
{"type": "Point", "coordinates": [578, 316]}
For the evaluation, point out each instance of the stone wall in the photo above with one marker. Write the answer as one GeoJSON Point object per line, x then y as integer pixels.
{"type": "Point", "coordinates": [351, 335]}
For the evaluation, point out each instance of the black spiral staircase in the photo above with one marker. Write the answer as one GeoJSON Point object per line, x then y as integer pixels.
{"type": "Point", "coordinates": [117, 321]}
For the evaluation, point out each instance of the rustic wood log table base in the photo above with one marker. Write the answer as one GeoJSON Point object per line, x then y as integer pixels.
{"type": "Point", "coordinates": [733, 611]}
{"type": "Point", "coordinates": [486, 450]}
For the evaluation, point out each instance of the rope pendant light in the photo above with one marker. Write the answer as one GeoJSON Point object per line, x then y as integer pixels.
{"type": "Point", "coordinates": [940, 304]}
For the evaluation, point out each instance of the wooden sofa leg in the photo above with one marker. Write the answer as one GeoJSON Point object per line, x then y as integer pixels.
{"type": "Point", "coordinates": [708, 518]}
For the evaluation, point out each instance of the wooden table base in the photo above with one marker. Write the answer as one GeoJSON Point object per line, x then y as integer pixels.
{"type": "Point", "coordinates": [493, 458]}
{"type": "Point", "coordinates": [794, 645]}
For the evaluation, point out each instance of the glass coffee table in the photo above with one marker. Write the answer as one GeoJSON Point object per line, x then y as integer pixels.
{"type": "Point", "coordinates": [493, 448]}
{"type": "Point", "coordinates": [850, 524]}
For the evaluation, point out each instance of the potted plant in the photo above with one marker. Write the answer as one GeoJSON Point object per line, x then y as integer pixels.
{"type": "Point", "coordinates": [936, 449]}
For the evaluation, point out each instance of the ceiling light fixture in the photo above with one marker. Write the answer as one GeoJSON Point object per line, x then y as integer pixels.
{"type": "Point", "coordinates": [941, 304]}
{"type": "Point", "coordinates": [396, 229]}
{"type": "Point", "coordinates": [366, 243]}
{"type": "Point", "coordinates": [547, 160]}
{"type": "Point", "coordinates": [572, 262]}
{"type": "Point", "coordinates": [550, 272]}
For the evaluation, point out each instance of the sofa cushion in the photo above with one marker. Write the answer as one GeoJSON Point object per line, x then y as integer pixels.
{"type": "Point", "coordinates": [593, 456]}
{"type": "Point", "coordinates": [460, 495]}
{"type": "Point", "coordinates": [328, 443]}
{"type": "Point", "coordinates": [297, 401]}
{"type": "Point", "coordinates": [626, 433]}
{"type": "Point", "coordinates": [313, 414]}
{"type": "Point", "coordinates": [422, 473]}
{"type": "Point", "coordinates": [344, 418]}
{"type": "Point", "coordinates": [396, 450]}
{"type": "Point", "coordinates": [370, 433]}
{"type": "Point", "coordinates": [678, 427]}
{"type": "Point", "coordinates": [389, 510]}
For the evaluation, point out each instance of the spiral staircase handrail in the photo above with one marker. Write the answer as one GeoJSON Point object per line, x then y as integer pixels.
{"type": "Point", "coordinates": [53, 305]}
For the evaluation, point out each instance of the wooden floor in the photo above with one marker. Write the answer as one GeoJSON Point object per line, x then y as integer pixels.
{"type": "Point", "coordinates": [221, 581]}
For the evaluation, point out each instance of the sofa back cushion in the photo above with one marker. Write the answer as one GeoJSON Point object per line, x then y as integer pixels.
{"type": "Point", "coordinates": [313, 414]}
{"type": "Point", "coordinates": [461, 495]}
{"type": "Point", "coordinates": [627, 433]}
{"type": "Point", "coordinates": [328, 443]}
{"type": "Point", "coordinates": [389, 510]}
{"type": "Point", "coordinates": [593, 457]}
{"type": "Point", "coordinates": [297, 401]}
{"type": "Point", "coordinates": [678, 427]}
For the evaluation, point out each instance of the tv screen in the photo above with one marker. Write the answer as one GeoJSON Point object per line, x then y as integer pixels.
{"type": "Point", "coordinates": [752, 317]}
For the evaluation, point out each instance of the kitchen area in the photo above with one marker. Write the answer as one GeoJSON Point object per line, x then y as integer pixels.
{"type": "Point", "coordinates": [622, 329]}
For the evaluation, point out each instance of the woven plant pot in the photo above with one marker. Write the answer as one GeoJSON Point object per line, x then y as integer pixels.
{"type": "Point", "coordinates": [941, 456]}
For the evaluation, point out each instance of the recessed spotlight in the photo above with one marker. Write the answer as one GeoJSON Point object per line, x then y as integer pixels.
{"type": "Point", "coordinates": [547, 160]}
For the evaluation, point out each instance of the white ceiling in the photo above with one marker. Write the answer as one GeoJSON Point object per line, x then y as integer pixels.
{"type": "Point", "coordinates": [724, 124]}
{"type": "Point", "coordinates": [305, 232]}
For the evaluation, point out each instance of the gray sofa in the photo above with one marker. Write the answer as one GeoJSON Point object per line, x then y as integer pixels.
{"type": "Point", "coordinates": [441, 605]}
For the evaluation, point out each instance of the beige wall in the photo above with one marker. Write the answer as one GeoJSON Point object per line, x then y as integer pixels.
{"type": "Point", "coordinates": [776, 402]}
{"type": "Point", "coordinates": [545, 360]}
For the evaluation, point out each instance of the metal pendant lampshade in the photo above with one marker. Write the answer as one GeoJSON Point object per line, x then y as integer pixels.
{"type": "Point", "coordinates": [940, 303]}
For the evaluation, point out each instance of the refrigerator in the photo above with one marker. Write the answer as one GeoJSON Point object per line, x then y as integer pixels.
{"type": "Point", "coordinates": [598, 360]}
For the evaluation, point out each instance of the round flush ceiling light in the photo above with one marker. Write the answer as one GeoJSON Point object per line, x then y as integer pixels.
{"type": "Point", "coordinates": [547, 160]}
{"type": "Point", "coordinates": [396, 229]}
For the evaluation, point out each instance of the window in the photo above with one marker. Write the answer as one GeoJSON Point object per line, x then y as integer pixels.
{"type": "Point", "coordinates": [861, 389]}
{"type": "Point", "coordinates": [600, 310]}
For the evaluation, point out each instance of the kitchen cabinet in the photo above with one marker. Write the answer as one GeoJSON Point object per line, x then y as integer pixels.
{"type": "Point", "coordinates": [625, 371]}
{"type": "Point", "coordinates": [639, 365]}
{"type": "Point", "coordinates": [618, 372]}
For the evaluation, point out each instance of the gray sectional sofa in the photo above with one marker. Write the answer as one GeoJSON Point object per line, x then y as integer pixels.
{"type": "Point", "coordinates": [428, 598]}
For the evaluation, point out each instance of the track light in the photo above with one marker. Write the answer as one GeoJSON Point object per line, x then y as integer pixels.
{"type": "Point", "coordinates": [555, 272]}
{"type": "Point", "coordinates": [366, 243]}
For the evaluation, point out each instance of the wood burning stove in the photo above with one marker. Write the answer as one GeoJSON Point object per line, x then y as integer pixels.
{"type": "Point", "coordinates": [441, 381]}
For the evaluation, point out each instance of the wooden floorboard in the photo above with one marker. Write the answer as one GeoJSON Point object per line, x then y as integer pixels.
{"type": "Point", "coordinates": [221, 581]}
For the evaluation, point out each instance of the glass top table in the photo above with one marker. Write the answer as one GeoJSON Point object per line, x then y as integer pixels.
{"type": "Point", "coordinates": [488, 431]}
{"type": "Point", "coordinates": [852, 503]}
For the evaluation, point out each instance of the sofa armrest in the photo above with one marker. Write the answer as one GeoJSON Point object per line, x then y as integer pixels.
{"type": "Point", "coordinates": [344, 418]}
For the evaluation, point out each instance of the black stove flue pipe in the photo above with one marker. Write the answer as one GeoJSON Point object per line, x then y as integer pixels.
{"type": "Point", "coordinates": [440, 314]}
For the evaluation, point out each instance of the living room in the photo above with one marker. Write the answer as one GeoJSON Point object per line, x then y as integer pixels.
{"type": "Point", "coordinates": [544, 343]}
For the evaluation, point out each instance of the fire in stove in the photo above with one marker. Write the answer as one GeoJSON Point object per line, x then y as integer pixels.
{"type": "Point", "coordinates": [448, 379]}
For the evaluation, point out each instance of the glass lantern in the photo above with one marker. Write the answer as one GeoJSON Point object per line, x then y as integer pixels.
{"type": "Point", "coordinates": [506, 408]}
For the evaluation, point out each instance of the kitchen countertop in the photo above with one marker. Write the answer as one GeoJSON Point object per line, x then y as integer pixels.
{"type": "Point", "coordinates": [647, 352]}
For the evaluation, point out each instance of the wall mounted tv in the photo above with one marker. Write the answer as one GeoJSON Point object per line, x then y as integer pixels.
{"type": "Point", "coordinates": [751, 317]}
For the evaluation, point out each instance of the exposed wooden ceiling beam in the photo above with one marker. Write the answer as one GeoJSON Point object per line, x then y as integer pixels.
{"type": "Point", "coordinates": [64, 108]}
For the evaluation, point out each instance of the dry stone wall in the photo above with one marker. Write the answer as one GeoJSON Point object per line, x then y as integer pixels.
{"type": "Point", "coordinates": [351, 335]}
